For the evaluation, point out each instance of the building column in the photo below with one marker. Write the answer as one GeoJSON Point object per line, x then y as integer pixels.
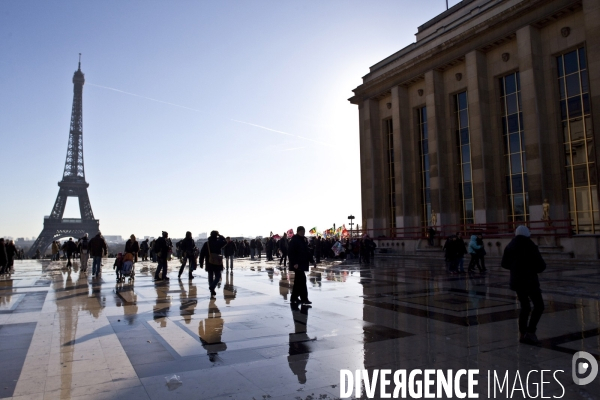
{"type": "Point", "coordinates": [482, 146]}
{"type": "Point", "coordinates": [373, 178]}
{"type": "Point", "coordinates": [404, 157]}
{"type": "Point", "coordinates": [591, 15]}
{"type": "Point", "coordinates": [542, 144]}
{"type": "Point", "coordinates": [439, 160]}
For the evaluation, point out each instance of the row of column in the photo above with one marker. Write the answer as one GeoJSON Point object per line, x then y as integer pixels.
{"type": "Point", "coordinates": [543, 142]}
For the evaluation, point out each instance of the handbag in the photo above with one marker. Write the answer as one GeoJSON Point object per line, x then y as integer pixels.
{"type": "Point", "coordinates": [214, 259]}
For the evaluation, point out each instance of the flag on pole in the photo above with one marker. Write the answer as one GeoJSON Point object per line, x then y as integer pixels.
{"type": "Point", "coordinates": [313, 231]}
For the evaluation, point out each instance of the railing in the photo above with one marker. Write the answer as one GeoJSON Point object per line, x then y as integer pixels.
{"type": "Point", "coordinates": [557, 228]}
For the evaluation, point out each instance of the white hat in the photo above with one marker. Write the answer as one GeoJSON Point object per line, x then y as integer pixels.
{"type": "Point", "coordinates": [522, 230]}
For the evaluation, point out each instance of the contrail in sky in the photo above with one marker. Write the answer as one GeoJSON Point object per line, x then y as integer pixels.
{"type": "Point", "coordinates": [283, 133]}
{"type": "Point", "coordinates": [195, 110]}
{"type": "Point", "coordinates": [294, 148]}
{"type": "Point", "coordinates": [144, 97]}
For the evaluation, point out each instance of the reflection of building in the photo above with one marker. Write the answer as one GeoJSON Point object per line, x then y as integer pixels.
{"type": "Point", "coordinates": [487, 114]}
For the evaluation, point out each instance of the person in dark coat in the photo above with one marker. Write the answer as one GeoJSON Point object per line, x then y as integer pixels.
{"type": "Point", "coordinates": [69, 248]}
{"type": "Point", "coordinates": [269, 249]}
{"type": "Point", "coordinates": [132, 246]}
{"type": "Point", "coordinates": [188, 251]}
{"type": "Point", "coordinates": [366, 246]}
{"type": "Point", "coordinates": [98, 249]}
{"type": "Point", "coordinates": [300, 259]}
{"type": "Point", "coordinates": [450, 253]}
{"type": "Point", "coordinates": [144, 248]}
{"type": "Point", "coordinates": [230, 251]}
{"type": "Point", "coordinates": [11, 253]}
{"type": "Point", "coordinates": [317, 249]}
{"type": "Point", "coordinates": [522, 257]}
{"type": "Point", "coordinates": [460, 252]}
{"type": "Point", "coordinates": [252, 248]}
{"type": "Point", "coordinates": [283, 249]}
{"type": "Point", "coordinates": [431, 236]}
{"type": "Point", "coordinates": [3, 256]}
{"type": "Point", "coordinates": [481, 252]}
{"type": "Point", "coordinates": [259, 248]}
{"type": "Point", "coordinates": [161, 249]}
{"type": "Point", "coordinates": [213, 247]}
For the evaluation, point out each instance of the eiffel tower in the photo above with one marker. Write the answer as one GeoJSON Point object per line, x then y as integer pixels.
{"type": "Point", "coordinates": [73, 183]}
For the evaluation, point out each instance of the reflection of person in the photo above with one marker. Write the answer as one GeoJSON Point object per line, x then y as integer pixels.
{"type": "Point", "coordinates": [163, 304]}
{"type": "Point", "coordinates": [299, 350]}
{"type": "Point", "coordinates": [129, 302]}
{"type": "Point", "coordinates": [229, 291]}
{"type": "Point", "coordinates": [210, 331]}
{"type": "Point", "coordinates": [300, 258]}
{"type": "Point", "coordinates": [284, 285]}
{"type": "Point", "coordinates": [187, 301]}
{"type": "Point", "coordinates": [522, 257]}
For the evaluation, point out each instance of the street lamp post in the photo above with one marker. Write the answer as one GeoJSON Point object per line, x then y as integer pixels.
{"type": "Point", "coordinates": [351, 217]}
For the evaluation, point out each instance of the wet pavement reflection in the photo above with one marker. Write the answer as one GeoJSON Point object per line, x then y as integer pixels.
{"type": "Point", "coordinates": [65, 334]}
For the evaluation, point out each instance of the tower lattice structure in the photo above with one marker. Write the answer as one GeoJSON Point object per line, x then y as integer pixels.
{"type": "Point", "coordinates": [73, 183]}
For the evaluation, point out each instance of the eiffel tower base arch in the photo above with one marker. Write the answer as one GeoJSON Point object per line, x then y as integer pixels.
{"type": "Point", "coordinates": [56, 228]}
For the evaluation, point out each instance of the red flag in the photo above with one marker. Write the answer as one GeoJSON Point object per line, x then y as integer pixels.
{"type": "Point", "coordinates": [290, 233]}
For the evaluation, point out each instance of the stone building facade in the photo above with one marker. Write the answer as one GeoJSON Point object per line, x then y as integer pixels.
{"type": "Point", "coordinates": [495, 108]}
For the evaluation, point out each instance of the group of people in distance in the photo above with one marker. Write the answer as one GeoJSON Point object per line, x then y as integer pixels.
{"type": "Point", "coordinates": [8, 252]}
{"type": "Point", "coordinates": [455, 250]}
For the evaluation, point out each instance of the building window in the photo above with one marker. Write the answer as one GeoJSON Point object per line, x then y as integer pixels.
{"type": "Point", "coordinates": [578, 138]}
{"type": "Point", "coordinates": [424, 151]}
{"type": "Point", "coordinates": [389, 130]}
{"type": "Point", "coordinates": [464, 151]}
{"type": "Point", "coordinates": [514, 148]}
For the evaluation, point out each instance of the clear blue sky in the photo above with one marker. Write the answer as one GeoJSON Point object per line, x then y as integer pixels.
{"type": "Point", "coordinates": [186, 162]}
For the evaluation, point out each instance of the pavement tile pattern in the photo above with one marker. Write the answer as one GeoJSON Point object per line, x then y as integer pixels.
{"type": "Point", "coordinates": [67, 335]}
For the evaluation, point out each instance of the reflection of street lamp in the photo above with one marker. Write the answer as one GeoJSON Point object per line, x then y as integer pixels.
{"type": "Point", "coordinates": [351, 217]}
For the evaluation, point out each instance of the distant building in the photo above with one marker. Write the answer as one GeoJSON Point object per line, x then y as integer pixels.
{"type": "Point", "coordinates": [202, 235]}
{"type": "Point", "coordinates": [113, 238]}
{"type": "Point", "coordinates": [494, 109]}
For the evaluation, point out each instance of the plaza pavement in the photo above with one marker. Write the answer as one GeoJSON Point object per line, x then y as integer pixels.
{"type": "Point", "coordinates": [64, 334]}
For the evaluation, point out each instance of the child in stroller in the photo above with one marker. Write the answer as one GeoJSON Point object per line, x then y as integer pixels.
{"type": "Point", "coordinates": [128, 267]}
{"type": "Point", "coordinates": [118, 266]}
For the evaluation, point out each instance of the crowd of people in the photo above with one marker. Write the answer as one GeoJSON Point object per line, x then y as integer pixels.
{"type": "Point", "coordinates": [455, 250]}
{"type": "Point", "coordinates": [8, 253]}
{"type": "Point", "coordinates": [521, 257]}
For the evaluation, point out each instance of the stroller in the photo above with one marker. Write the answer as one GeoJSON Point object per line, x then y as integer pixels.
{"type": "Point", "coordinates": [128, 269]}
